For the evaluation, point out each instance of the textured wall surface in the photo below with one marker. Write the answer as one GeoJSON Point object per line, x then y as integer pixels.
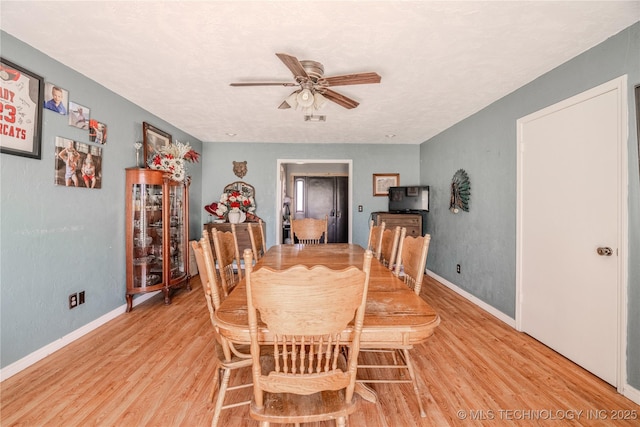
{"type": "Point", "coordinates": [484, 240]}
{"type": "Point", "coordinates": [57, 240]}
{"type": "Point", "coordinates": [263, 174]}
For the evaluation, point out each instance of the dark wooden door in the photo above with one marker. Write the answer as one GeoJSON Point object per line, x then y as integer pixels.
{"type": "Point", "coordinates": [329, 196]}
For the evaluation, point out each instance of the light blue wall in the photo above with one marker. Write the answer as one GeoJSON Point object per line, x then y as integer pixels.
{"type": "Point", "coordinates": [55, 240]}
{"type": "Point", "coordinates": [484, 240]}
{"type": "Point", "coordinates": [263, 174]}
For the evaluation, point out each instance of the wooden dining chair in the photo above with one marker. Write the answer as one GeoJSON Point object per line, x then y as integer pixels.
{"type": "Point", "coordinates": [411, 262]}
{"type": "Point", "coordinates": [310, 231]}
{"type": "Point", "coordinates": [226, 247]}
{"type": "Point", "coordinates": [226, 356]}
{"type": "Point", "coordinates": [389, 246]}
{"type": "Point", "coordinates": [258, 242]}
{"type": "Point", "coordinates": [374, 243]}
{"type": "Point", "coordinates": [306, 311]}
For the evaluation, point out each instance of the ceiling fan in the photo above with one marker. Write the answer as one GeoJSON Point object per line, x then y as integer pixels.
{"type": "Point", "coordinates": [314, 87]}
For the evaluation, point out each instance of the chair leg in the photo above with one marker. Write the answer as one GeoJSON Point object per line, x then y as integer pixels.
{"type": "Point", "coordinates": [216, 379]}
{"type": "Point", "coordinates": [395, 359]}
{"type": "Point", "coordinates": [340, 422]}
{"type": "Point", "coordinates": [223, 390]}
{"type": "Point", "coordinates": [414, 382]}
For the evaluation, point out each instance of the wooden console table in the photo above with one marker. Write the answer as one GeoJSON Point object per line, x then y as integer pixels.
{"type": "Point", "coordinates": [412, 222]}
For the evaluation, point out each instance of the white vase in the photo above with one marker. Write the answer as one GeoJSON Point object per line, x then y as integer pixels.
{"type": "Point", "coordinates": [236, 217]}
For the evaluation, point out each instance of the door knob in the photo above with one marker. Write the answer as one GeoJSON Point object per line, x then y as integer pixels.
{"type": "Point", "coordinates": [605, 251]}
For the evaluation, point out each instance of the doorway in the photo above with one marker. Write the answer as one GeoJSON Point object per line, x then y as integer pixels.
{"type": "Point", "coordinates": [319, 172]}
{"type": "Point", "coordinates": [572, 228]}
{"type": "Point", "coordinates": [320, 196]}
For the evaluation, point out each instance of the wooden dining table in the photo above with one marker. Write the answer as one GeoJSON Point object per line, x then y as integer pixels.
{"type": "Point", "coordinates": [394, 316]}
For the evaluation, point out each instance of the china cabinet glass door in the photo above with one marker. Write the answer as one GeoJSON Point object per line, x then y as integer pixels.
{"type": "Point", "coordinates": [147, 235]}
{"type": "Point", "coordinates": [176, 231]}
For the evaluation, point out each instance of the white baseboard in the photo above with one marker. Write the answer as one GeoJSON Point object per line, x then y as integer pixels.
{"type": "Point", "coordinates": [25, 362]}
{"type": "Point", "coordinates": [631, 393]}
{"type": "Point", "coordinates": [483, 305]}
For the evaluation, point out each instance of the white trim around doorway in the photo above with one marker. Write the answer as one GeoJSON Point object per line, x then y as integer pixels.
{"type": "Point", "coordinates": [278, 212]}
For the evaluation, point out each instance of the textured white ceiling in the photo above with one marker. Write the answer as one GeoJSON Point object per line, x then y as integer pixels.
{"type": "Point", "coordinates": [440, 61]}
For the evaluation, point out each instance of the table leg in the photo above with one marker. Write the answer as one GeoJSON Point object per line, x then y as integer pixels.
{"type": "Point", "coordinates": [366, 392]}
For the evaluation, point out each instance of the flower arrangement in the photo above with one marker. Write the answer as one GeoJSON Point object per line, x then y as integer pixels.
{"type": "Point", "coordinates": [232, 201]}
{"type": "Point", "coordinates": [171, 158]}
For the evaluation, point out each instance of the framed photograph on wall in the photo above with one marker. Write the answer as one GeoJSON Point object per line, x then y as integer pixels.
{"type": "Point", "coordinates": [79, 115]}
{"type": "Point", "coordinates": [97, 132]}
{"type": "Point", "coordinates": [77, 164]}
{"type": "Point", "coordinates": [21, 98]}
{"type": "Point", "coordinates": [57, 98]}
{"type": "Point", "coordinates": [382, 182]}
{"type": "Point", "coordinates": [154, 139]}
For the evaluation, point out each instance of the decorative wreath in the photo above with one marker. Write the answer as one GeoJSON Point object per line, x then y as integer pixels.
{"type": "Point", "coordinates": [460, 192]}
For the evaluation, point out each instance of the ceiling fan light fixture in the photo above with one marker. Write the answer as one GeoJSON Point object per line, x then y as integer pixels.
{"type": "Point", "coordinates": [318, 100]}
{"type": "Point", "coordinates": [292, 100]}
{"type": "Point", "coordinates": [305, 98]}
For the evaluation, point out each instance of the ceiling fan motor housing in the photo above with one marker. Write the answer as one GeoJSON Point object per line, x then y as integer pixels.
{"type": "Point", "coordinates": [314, 69]}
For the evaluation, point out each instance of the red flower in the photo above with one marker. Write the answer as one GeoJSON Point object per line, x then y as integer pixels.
{"type": "Point", "coordinates": [157, 160]}
{"type": "Point", "coordinates": [192, 156]}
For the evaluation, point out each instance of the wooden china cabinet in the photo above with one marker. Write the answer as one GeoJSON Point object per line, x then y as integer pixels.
{"type": "Point", "coordinates": [157, 221]}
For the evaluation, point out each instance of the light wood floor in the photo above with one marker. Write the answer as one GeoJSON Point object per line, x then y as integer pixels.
{"type": "Point", "coordinates": [151, 367]}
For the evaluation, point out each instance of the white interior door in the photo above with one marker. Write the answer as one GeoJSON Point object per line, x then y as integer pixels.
{"type": "Point", "coordinates": [569, 201]}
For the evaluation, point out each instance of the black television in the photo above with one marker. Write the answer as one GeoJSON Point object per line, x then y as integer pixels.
{"type": "Point", "coordinates": [409, 198]}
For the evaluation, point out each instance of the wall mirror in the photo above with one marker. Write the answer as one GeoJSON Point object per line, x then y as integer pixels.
{"type": "Point", "coordinates": [242, 187]}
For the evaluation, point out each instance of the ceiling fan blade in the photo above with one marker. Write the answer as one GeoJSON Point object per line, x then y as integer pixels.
{"type": "Point", "coordinates": [353, 79]}
{"type": "Point", "coordinates": [293, 64]}
{"type": "Point", "coordinates": [287, 84]}
{"type": "Point", "coordinates": [284, 105]}
{"type": "Point", "coordinates": [340, 99]}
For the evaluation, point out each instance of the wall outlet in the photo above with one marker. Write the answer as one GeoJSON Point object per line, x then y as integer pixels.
{"type": "Point", "coordinates": [73, 301]}
{"type": "Point", "coordinates": [81, 298]}
{"type": "Point", "coordinates": [458, 268]}
{"type": "Point", "coordinates": [359, 208]}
